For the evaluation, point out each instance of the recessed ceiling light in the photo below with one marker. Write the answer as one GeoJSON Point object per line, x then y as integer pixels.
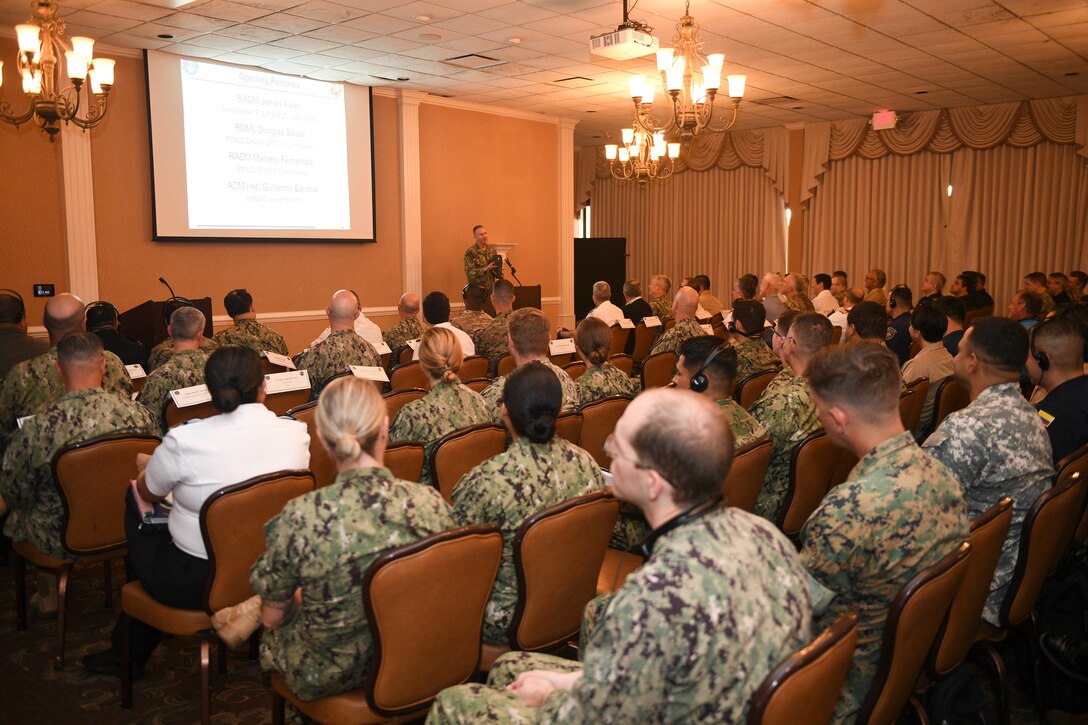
{"type": "Point", "coordinates": [166, 36]}
{"type": "Point", "coordinates": [920, 93]}
{"type": "Point", "coordinates": [1071, 74]}
{"type": "Point", "coordinates": [424, 18]}
{"type": "Point", "coordinates": [430, 36]}
{"type": "Point", "coordinates": [515, 41]}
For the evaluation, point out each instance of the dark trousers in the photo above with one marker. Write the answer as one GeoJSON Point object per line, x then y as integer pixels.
{"type": "Point", "coordinates": [167, 573]}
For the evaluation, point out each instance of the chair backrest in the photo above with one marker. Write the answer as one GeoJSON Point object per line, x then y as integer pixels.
{"type": "Point", "coordinates": [322, 464]}
{"type": "Point", "coordinates": [558, 554]}
{"type": "Point", "coordinates": [232, 524]}
{"type": "Point", "coordinates": [836, 335]}
{"type": "Point", "coordinates": [914, 619]}
{"type": "Point", "coordinates": [806, 686]}
{"type": "Point", "coordinates": [561, 359]}
{"type": "Point", "coordinates": [619, 340]}
{"type": "Point", "coordinates": [657, 369]}
{"type": "Point", "coordinates": [92, 477]}
{"type": "Point", "coordinates": [912, 415]}
{"type": "Point", "coordinates": [670, 324]}
{"type": "Point", "coordinates": [623, 362]}
{"type": "Point", "coordinates": [280, 403]}
{"type": "Point", "coordinates": [575, 369]}
{"type": "Point", "coordinates": [568, 426]}
{"type": "Point", "coordinates": [405, 355]}
{"type": "Point", "coordinates": [477, 385]}
{"type": "Point", "coordinates": [419, 649]}
{"type": "Point", "coordinates": [407, 375]}
{"type": "Point", "coordinates": [644, 341]}
{"type": "Point", "coordinates": [906, 405]}
{"type": "Point", "coordinates": [474, 366]}
{"type": "Point", "coordinates": [950, 397]}
{"type": "Point", "coordinates": [405, 460]}
{"type": "Point", "coordinates": [748, 390]}
{"type": "Point", "coordinates": [459, 452]}
{"type": "Point", "coordinates": [506, 365]}
{"type": "Point", "coordinates": [271, 368]}
{"type": "Point", "coordinates": [816, 466]}
{"type": "Point", "coordinates": [173, 415]}
{"type": "Point", "coordinates": [1074, 467]}
{"type": "Point", "coordinates": [599, 419]}
{"type": "Point", "coordinates": [973, 315]}
{"type": "Point", "coordinates": [397, 399]}
{"type": "Point", "coordinates": [915, 348]}
{"type": "Point", "coordinates": [988, 532]}
{"type": "Point", "coordinates": [745, 479]}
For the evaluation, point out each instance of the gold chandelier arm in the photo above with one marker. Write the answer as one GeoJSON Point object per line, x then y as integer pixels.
{"type": "Point", "coordinates": [68, 103]}
{"type": "Point", "coordinates": [7, 113]}
{"type": "Point", "coordinates": [720, 128]}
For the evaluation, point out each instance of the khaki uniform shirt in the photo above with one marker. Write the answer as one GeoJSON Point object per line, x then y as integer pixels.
{"type": "Point", "coordinates": [933, 361]}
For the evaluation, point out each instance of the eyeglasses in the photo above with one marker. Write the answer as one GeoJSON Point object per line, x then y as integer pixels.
{"type": "Point", "coordinates": [611, 452]}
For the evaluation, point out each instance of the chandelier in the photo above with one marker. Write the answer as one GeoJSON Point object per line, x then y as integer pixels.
{"type": "Point", "coordinates": [691, 81]}
{"type": "Point", "coordinates": [41, 43]}
{"type": "Point", "coordinates": [643, 157]}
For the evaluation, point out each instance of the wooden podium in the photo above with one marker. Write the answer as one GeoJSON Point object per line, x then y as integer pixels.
{"type": "Point", "coordinates": [144, 321]}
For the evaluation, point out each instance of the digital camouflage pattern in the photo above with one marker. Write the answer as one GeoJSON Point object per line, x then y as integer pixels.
{"type": "Point", "coordinates": [508, 489]}
{"type": "Point", "coordinates": [33, 384]}
{"type": "Point", "coordinates": [252, 334]}
{"type": "Point", "coordinates": [476, 261]}
{"type": "Point", "coordinates": [681, 332]}
{"type": "Point", "coordinates": [471, 322]}
{"type": "Point", "coordinates": [787, 413]}
{"type": "Point", "coordinates": [602, 381]}
{"type": "Point", "coordinates": [746, 429]}
{"type": "Point", "coordinates": [26, 479]}
{"type": "Point", "coordinates": [446, 408]}
{"type": "Point", "coordinates": [996, 447]}
{"type": "Point", "coordinates": [662, 307]}
{"type": "Point", "coordinates": [183, 370]}
{"type": "Point", "coordinates": [323, 542]}
{"type": "Point", "coordinates": [492, 341]}
{"type": "Point", "coordinates": [753, 358]}
{"type": "Point", "coordinates": [397, 336]}
{"type": "Point", "coordinates": [898, 512]}
{"type": "Point", "coordinates": [165, 350]}
{"type": "Point", "coordinates": [687, 638]}
{"type": "Point", "coordinates": [799, 303]}
{"type": "Point", "coordinates": [493, 393]}
{"type": "Point", "coordinates": [333, 356]}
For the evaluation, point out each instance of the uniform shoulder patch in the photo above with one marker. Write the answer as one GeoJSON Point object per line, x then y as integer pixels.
{"type": "Point", "coordinates": [889, 334]}
{"type": "Point", "coordinates": [1047, 418]}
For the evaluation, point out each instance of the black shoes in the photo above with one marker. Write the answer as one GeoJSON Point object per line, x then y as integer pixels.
{"type": "Point", "coordinates": [108, 662]}
{"type": "Point", "coordinates": [1067, 654]}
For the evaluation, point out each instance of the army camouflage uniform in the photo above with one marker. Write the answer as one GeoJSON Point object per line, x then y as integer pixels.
{"type": "Point", "coordinates": [471, 321]}
{"type": "Point", "coordinates": [446, 408]}
{"type": "Point", "coordinates": [662, 307]}
{"type": "Point", "coordinates": [1048, 302]}
{"type": "Point", "coordinates": [602, 381]}
{"type": "Point", "coordinates": [252, 334]}
{"type": "Point", "coordinates": [899, 512]}
{"type": "Point", "coordinates": [333, 356]}
{"type": "Point", "coordinates": [799, 303]}
{"type": "Point", "coordinates": [165, 350]}
{"type": "Point", "coordinates": [33, 384]}
{"type": "Point", "coordinates": [681, 332]}
{"type": "Point", "coordinates": [509, 488]}
{"type": "Point", "coordinates": [786, 411]}
{"type": "Point", "coordinates": [746, 429]}
{"type": "Point", "coordinates": [753, 358]}
{"type": "Point", "coordinates": [476, 260]}
{"type": "Point", "coordinates": [26, 480]}
{"type": "Point", "coordinates": [183, 370]}
{"type": "Point", "coordinates": [492, 341]}
{"type": "Point", "coordinates": [397, 336]}
{"type": "Point", "coordinates": [840, 297]}
{"type": "Point", "coordinates": [688, 637]}
{"type": "Point", "coordinates": [323, 542]}
{"type": "Point", "coordinates": [493, 393]}
{"type": "Point", "coordinates": [996, 447]}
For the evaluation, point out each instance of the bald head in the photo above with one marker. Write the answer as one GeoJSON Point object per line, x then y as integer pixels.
{"type": "Point", "coordinates": [343, 309]}
{"type": "Point", "coordinates": [408, 306]}
{"type": "Point", "coordinates": [63, 314]}
{"type": "Point", "coordinates": [685, 303]}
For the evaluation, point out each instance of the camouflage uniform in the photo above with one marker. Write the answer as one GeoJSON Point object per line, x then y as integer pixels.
{"type": "Point", "coordinates": [682, 331]}
{"type": "Point", "coordinates": [493, 393]}
{"type": "Point", "coordinates": [662, 307]}
{"type": "Point", "coordinates": [753, 358]}
{"type": "Point", "coordinates": [397, 336]}
{"type": "Point", "coordinates": [996, 447]}
{"type": "Point", "coordinates": [165, 350]}
{"type": "Point", "coordinates": [471, 321]}
{"type": "Point", "coordinates": [183, 370]}
{"type": "Point", "coordinates": [899, 512]}
{"type": "Point", "coordinates": [33, 384]}
{"type": "Point", "coordinates": [333, 356]}
{"type": "Point", "coordinates": [26, 480]}
{"type": "Point", "coordinates": [493, 341]}
{"type": "Point", "coordinates": [323, 542]}
{"type": "Point", "coordinates": [446, 408]}
{"type": "Point", "coordinates": [746, 429]}
{"type": "Point", "coordinates": [687, 638]}
{"type": "Point", "coordinates": [1048, 302]}
{"type": "Point", "coordinates": [508, 489]}
{"type": "Point", "coordinates": [476, 260]}
{"type": "Point", "coordinates": [252, 334]}
{"type": "Point", "coordinates": [786, 411]}
{"type": "Point", "coordinates": [602, 381]}
{"type": "Point", "coordinates": [799, 303]}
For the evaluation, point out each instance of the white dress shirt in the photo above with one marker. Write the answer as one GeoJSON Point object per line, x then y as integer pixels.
{"type": "Point", "coordinates": [825, 302]}
{"type": "Point", "coordinates": [607, 313]}
{"type": "Point", "coordinates": [838, 319]}
{"type": "Point", "coordinates": [364, 328]}
{"type": "Point", "coordinates": [467, 346]}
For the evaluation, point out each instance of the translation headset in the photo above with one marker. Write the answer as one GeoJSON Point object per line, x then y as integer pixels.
{"type": "Point", "coordinates": [173, 304]}
{"type": "Point", "coordinates": [688, 515]}
{"type": "Point", "coordinates": [732, 327]}
{"type": "Point", "coordinates": [16, 295]}
{"type": "Point", "coordinates": [699, 381]}
{"type": "Point", "coordinates": [1041, 358]}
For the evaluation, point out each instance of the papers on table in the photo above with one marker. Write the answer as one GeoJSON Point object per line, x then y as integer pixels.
{"type": "Point", "coordinates": [561, 347]}
{"type": "Point", "coordinates": [282, 360]}
{"type": "Point", "coordinates": [651, 321]}
{"type": "Point", "coordinates": [370, 372]}
{"type": "Point", "coordinates": [193, 395]}
{"type": "Point", "coordinates": [286, 381]}
{"type": "Point", "coordinates": [136, 371]}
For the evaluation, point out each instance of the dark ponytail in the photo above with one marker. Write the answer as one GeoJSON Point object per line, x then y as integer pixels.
{"type": "Point", "coordinates": [233, 375]}
{"type": "Point", "coordinates": [533, 399]}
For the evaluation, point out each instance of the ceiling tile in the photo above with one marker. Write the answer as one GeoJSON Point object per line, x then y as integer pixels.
{"type": "Point", "coordinates": [153, 30]}
{"type": "Point", "coordinates": [339, 34]}
{"type": "Point", "coordinates": [325, 11]}
{"type": "Point", "coordinates": [387, 44]}
{"type": "Point", "coordinates": [127, 9]}
{"type": "Point", "coordinates": [412, 10]}
{"type": "Point", "coordinates": [198, 23]}
{"type": "Point", "coordinates": [379, 24]}
{"type": "Point", "coordinates": [290, 67]}
{"type": "Point", "coordinates": [227, 10]}
{"type": "Point", "coordinates": [272, 6]}
{"type": "Point", "coordinates": [270, 52]}
{"type": "Point", "coordinates": [86, 20]}
{"type": "Point", "coordinates": [256, 34]}
{"type": "Point", "coordinates": [305, 44]}
{"type": "Point", "coordinates": [288, 23]}
{"type": "Point", "coordinates": [470, 24]}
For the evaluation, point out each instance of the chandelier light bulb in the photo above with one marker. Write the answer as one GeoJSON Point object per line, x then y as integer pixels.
{"type": "Point", "coordinates": [712, 76]}
{"type": "Point", "coordinates": [648, 93]}
{"type": "Point", "coordinates": [83, 46]}
{"type": "Point", "coordinates": [32, 82]}
{"type": "Point", "coordinates": [674, 150]}
{"type": "Point", "coordinates": [736, 85]}
{"type": "Point", "coordinates": [638, 86]}
{"type": "Point", "coordinates": [77, 65]}
{"type": "Point", "coordinates": [103, 71]}
{"type": "Point", "coordinates": [610, 151]}
{"type": "Point", "coordinates": [628, 135]}
{"type": "Point", "coordinates": [717, 60]}
{"type": "Point", "coordinates": [624, 156]}
{"type": "Point", "coordinates": [28, 38]}
{"type": "Point", "coordinates": [664, 59]}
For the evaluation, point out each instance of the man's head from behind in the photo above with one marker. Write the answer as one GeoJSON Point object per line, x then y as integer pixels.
{"type": "Point", "coordinates": [474, 296]}
{"type": "Point", "coordinates": [80, 360]}
{"type": "Point", "coordinates": [12, 311]}
{"type": "Point", "coordinates": [436, 308]}
{"type": "Point", "coordinates": [854, 385]}
{"type": "Point", "coordinates": [1055, 345]}
{"type": "Point", "coordinates": [1035, 282]}
{"type": "Point", "coordinates": [408, 304]}
{"type": "Point", "coordinates": [660, 285]}
{"type": "Point", "coordinates": [953, 308]}
{"type": "Point", "coordinates": [602, 292]}
{"type": "Point", "coordinates": [900, 300]}
{"type": "Point", "coordinates": [186, 324]}
{"type": "Point", "coordinates": [343, 308]}
{"type": "Point", "coordinates": [685, 303]}
{"type": "Point", "coordinates": [238, 302]}
{"type": "Point", "coordinates": [632, 289]}
{"type": "Point", "coordinates": [706, 364]}
{"type": "Point", "coordinates": [502, 295]}
{"type": "Point", "coordinates": [749, 317]}
{"type": "Point", "coordinates": [63, 314]}
{"type": "Point", "coordinates": [528, 329]}
{"type": "Point", "coordinates": [993, 349]}
{"type": "Point", "coordinates": [746, 287]}
{"type": "Point", "coordinates": [701, 283]}
{"type": "Point", "coordinates": [867, 321]}
{"type": "Point", "coordinates": [101, 316]}
{"type": "Point", "coordinates": [809, 333]}
{"type": "Point", "coordinates": [928, 323]}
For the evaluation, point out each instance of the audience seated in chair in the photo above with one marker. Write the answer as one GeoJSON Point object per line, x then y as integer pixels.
{"type": "Point", "coordinates": [601, 379]}
{"type": "Point", "coordinates": [707, 365]}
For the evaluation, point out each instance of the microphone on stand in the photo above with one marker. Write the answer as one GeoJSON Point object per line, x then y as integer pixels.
{"type": "Point", "coordinates": [513, 272]}
{"type": "Point", "coordinates": [163, 280]}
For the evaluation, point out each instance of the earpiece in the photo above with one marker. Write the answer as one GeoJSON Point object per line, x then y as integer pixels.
{"type": "Point", "coordinates": [699, 381]}
{"type": "Point", "coordinates": [1041, 358]}
{"type": "Point", "coordinates": [16, 295]}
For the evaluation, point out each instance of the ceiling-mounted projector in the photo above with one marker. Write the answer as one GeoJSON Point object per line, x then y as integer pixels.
{"type": "Point", "coordinates": [623, 44]}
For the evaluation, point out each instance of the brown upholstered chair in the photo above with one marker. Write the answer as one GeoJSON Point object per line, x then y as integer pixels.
{"type": "Point", "coordinates": [568, 426]}
{"type": "Point", "coordinates": [623, 362]}
{"type": "Point", "coordinates": [385, 358]}
{"type": "Point", "coordinates": [599, 419]}
{"type": "Point", "coordinates": [562, 359]}
{"type": "Point", "coordinates": [558, 554]}
{"type": "Point", "coordinates": [322, 464]}
{"type": "Point", "coordinates": [397, 399]}
{"type": "Point", "coordinates": [644, 341]}
{"type": "Point", "coordinates": [748, 390]}
{"type": "Point", "coordinates": [619, 339]}
{"type": "Point", "coordinates": [915, 348]}
{"type": "Point", "coordinates": [806, 686]}
{"type": "Point", "coordinates": [271, 368]}
{"type": "Point", "coordinates": [745, 479]}
{"type": "Point", "coordinates": [575, 369]}
{"type": "Point", "coordinates": [173, 415]}
{"type": "Point", "coordinates": [836, 335]}
{"type": "Point", "coordinates": [462, 450]}
{"type": "Point", "coordinates": [949, 397]}
{"type": "Point", "coordinates": [658, 369]}
{"type": "Point", "coordinates": [506, 365]}
{"type": "Point", "coordinates": [914, 619]}
{"type": "Point", "coordinates": [407, 375]}
{"type": "Point", "coordinates": [1074, 467]}
{"type": "Point", "coordinates": [973, 315]}
{"type": "Point", "coordinates": [669, 324]}
{"type": "Point", "coordinates": [281, 403]}
{"type": "Point", "coordinates": [616, 567]}
{"type": "Point", "coordinates": [138, 385]}
{"type": "Point", "coordinates": [477, 385]}
{"type": "Point", "coordinates": [474, 366]}
{"type": "Point", "coordinates": [816, 466]}
{"type": "Point", "coordinates": [419, 649]}
{"type": "Point", "coordinates": [405, 460]}
{"type": "Point", "coordinates": [405, 355]}
{"type": "Point", "coordinates": [232, 524]}
{"type": "Point", "coordinates": [912, 401]}
{"type": "Point", "coordinates": [91, 479]}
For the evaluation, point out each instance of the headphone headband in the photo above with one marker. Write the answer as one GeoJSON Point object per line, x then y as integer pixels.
{"type": "Point", "coordinates": [16, 295]}
{"type": "Point", "coordinates": [699, 381]}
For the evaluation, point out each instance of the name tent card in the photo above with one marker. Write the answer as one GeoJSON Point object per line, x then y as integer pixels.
{"type": "Point", "coordinates": [627, 324]}
{"type": "Point", "coordinates": [286, 381]}
{"type": "Point", "coordinates": [282, 360]}
{"type": "Point", "coordinates": [382, 348]}
{"type": "Point", "coordinates": [193, 395]}
{"type": "Point", "coordinates": [652, 321]}
{"type": "Point", "coordinates": [703, 315]}
{"type": "Point", "coordinates": [561, 347]}
{"type": "Point", "coordinates": [370, 372]}
{"type": "Point", "coordinates": [136, 371]}
{"type": "Point", "coordinates": [707, 329]}
{"type": "Point", "coordinates": [414, 344]}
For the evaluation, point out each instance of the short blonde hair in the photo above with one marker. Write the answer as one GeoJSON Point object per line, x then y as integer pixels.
{"type": "Point", "coordinates": [529, 331]}
{"type": "Point", "coordinates": [350, 414]}
{"type": "Point", "coordinates": [440, 354]}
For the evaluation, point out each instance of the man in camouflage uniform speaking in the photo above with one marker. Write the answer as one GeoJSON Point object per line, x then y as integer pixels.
{"type": "Point", "coordinates": [247, 332]}
{"type": "Point", "coordinates": [480, 268]}
{"type": "Point", "coordinates": [83, 412]}
{"type": "Point", "coordinates": [898, 512]}
{"type": "Point", "coordinates": [690, 635]}
{"type": "Point", "coordinates": [184, 369]}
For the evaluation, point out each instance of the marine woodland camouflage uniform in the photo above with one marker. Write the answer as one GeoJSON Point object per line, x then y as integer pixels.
{"type": "Point", "coordinates": [753, 358]}
{"type": "Point", "coordinates": [323, 542]}
{"type": "Point", "coordinates": [471, 321]}
{"type": "Point", "coordinates": [899, 512]}
{"type": "Point", "coordinates": [493, 393]}
{"type": "Point", "coordinates": [746, 429]}
{"type": "Point", "coordinates": [602, 381]}
{"type": "Point", "coordinates": [799, 303]}
{"type": "Point", "coordinates": [492, 341]}
{"type": "Point", "coordinates": [397, 336]}
{"type": "Point", "coordinates": [476, 261]}
{"type": "Point", "coordinates": [183, 370]}
{"type": "Point", "coordinates": [446, 408]}
{"type": "Point", "coordinates": [33, 384]}
{"type": "Point", "coordinates": [252, 334]}
{"type": "Point", "coordinates": [509, 488]}
{"type": "Point", "coordinates": [786, 411]}
{"type": "Point", "coordinates": [688, 637]}
{"type": "Point", "coordinates": [26, 480]}
{"type": "Point", "coordinates": [333, 356]}
{"type": "Point", "coordinates": [165, 350]}
{"type": "Point", "coordinates": [682, 331]}
{"type": "Point", "coordinates": [662, 307]}
{"type": "Point", "coordinates": [996, 447]}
